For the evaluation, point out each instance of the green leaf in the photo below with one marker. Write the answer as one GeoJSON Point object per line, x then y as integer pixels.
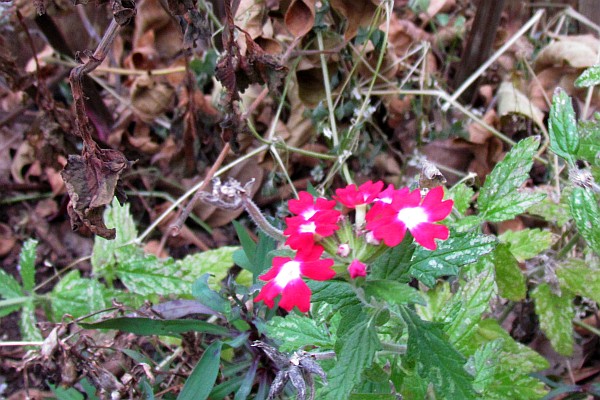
{"type": "Point", "coordinates": [246, 387]}
{"type": "Point", "coordinates": [393, 292]}
{"type": "Point", "coordinates": [28, 323]}
{"type": "Point", "coordinates": [166, 327]}
{"type": "Point", "coordinates": [394, 263]}
{"type": "Point", "coordinates": [464, 311]}
{"type": "Point", "coordinates": [589, 140]}
{"type": "Point", "coordinates": [256, 257]}
{"type": "Point", "coordinates": [457, 251]}
{"type": "Point", "coordinates": [499, 198]}
{"type": "Point", "coordinates": [66, 394]}
{"type": "Point", "coordinates": [589, 77]}
{"type": "Point", "coordinates": [76, 296]}
{"type": "Point", "coordinates": [295, 331]}
{"type": "Point", "coordinates": [209, 297]}
{"type": "Point", "coordinates": [562, 127]}
{"type": "Point", "coordinates": [9, 287]}
{"type": "Point", "coordinates": [354, 356]}
{"type": "Point", "coordinates": [217, 262]}
{"type": "Point", "coordinates": [527, 243]}
{"type": "Point", "coordinates": [579, 278]}
{"type": "Point", "coordinates": [436, 299]}
{"type": "Point", "coordinates": [462, 195]}
{"type": "Point", "coordinates": [556, 314]}
{"type": "Point", "coordinates": [27, 264]}
{"type": "Point", "coordinates": [200, 383]}
{"type": "Point", "coordinates": [339, 294]}
{"type": "Point", "coordinates": [499, 380]}
{"type": "Point", "coordinates": [435, 359]}
{"type": "Point", "coordinates": [586, 213]}
{"type": "Point", "coordinates": [509, 278]}
{"type": "Point", "coordinates": [106, 253]}
{"type": "Point", "coordinates": [551, 211]}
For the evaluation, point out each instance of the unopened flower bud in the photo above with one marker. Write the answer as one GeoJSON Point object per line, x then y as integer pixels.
{"type": "Point", "coordinates": [343, 250]}
{"type": "Point", "coordinates": [357, 269]}
{"type": "Point", "coordinates": [370, 238]}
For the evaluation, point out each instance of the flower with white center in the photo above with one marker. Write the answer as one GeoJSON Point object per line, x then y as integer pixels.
{"type": "Point", "coordinates": [285, 278]}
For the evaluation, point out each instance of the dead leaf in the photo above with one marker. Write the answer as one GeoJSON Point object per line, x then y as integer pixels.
{"type": "Point", "coordinates": [357, 14]}
{"type": "Point", "coordinates": [300, 17]}
{"type": "Point", "coordinates": [478, 133]}
{"type": "Point", "coordinates": [91, 180]}
{"type": "Point", "coordinates": [24, 157]}
{"type": "Point", "coordinates": [7, 239]}
{"type": "Point", "coordinates": [512, 101]}
{"type": "Point", "coordinates": [574, 51]}
{"type": "Point", "coordinates": [150, 97]}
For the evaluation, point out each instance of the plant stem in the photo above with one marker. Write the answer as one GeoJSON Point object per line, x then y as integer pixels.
{"type": "Point", "coordinates": [328, 95]}
{"type": "Point", "coordinates": [588, 327]}
{"type": "Point", "coordinates": [570, 244]}
{"type": "Point", "coordinates": [394, 348]}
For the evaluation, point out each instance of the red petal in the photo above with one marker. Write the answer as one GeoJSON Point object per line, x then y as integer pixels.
{"type": "Point", "coordinates": [318, 270]}
{"type": "Point", "coordinates": [268, 294]}
{"type": "Point", "coordinates": [425, 234]}
{"type": "Point", "coordinates": [296, 293]}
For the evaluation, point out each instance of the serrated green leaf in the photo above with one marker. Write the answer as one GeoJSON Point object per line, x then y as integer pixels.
{"type": "Point", "coordinates": [394, 263]}
{"type": "Point", "coordinates": [76, 296]}
{"type": "Point", "coordinates": [355, 355]}
{"type": "Point", "coordinates": [256, 257]}
{"type": "Point", "coordinates": [27, 264]}
{"type": "Point", "coordinates": [556, 314]}
{"type": "Point", "coordinates": [579, 278]}
{"type": "Point", "coordinates": [463, 312]}
{"type": "Point", "coordinates": [562, 127]}
{"type": "Point", "coordinates": [511, 281]}
{"type": "Point", "coordinates": [527, 243]}
{"type": "Point", "coordinates": [435, 359]}
{"type": "Point", "coordinates": [393, 292]}
{"type": "Point", "coordinates": [9, 287]}
{"type": "Point", "coordinates": [436, 299]}
{"type": "Point", "coordinates": [149, 275]}
{"type": "Point", "coordinates": [500, 198]}
{"type": "Point", "coordinates": [164, 327]}
{"type": "Point", "coordinates": [106, 253]}
{"type": "Point", "coordinates": [200, 383]}
{"type": "Point", "coordinates": [339, 294]}
{"type": "Point", "coordinates": [589, 77]}
{"type": "Point", "coordinates": [28, 323]}
{"type": "Point", "coordinates": [457, 251]}
{"type": "Point", "coordinates": [589, 140]}
{"type": "Point", "coordinates": [66, 393]}
{"type": "Point", "coordinates": [462, 195]}
{"type": "Point", "coordinates": [586, 213]}
{"type": "Point", "coordinates": [215, 262]}
{"type": "Point", "coordinates": [517, 357]}
{"type": "Point", "coordinates": [495, 379]}
{"type": "Point", "coordinates": [295, 331]}
{"type": "Point", "coordinates": [552, 210]}
{"type": "Point", "coordinates": [208, 297]}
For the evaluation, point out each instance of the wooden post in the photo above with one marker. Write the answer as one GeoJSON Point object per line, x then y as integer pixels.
{"type": "Point", "coordinates": [479, 43]}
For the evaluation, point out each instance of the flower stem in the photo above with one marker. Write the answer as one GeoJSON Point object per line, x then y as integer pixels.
{"type": "Point", "coordinates": [260, 220]}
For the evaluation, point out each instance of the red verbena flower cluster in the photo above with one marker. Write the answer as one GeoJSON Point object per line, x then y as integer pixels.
{"type": "Point", "coordinates": [381, 215]}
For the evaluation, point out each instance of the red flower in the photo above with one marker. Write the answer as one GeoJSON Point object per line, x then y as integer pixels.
{"type": "Point", "coordinates": [356, 269]}
{"type": "Point", "coordinates": [351, 196]}
{"type": "Point", "coordinates": [304, 232]}
{"type": "Point", "coordinates": [407, 211]}
{"type": "Point", "coordinates": [285, 278]}
{"type": "Point", "coordinates": [306, 207]}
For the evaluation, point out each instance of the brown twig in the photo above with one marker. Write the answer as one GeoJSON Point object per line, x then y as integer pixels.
{"type": "Point", "coordinates": [175, 228]}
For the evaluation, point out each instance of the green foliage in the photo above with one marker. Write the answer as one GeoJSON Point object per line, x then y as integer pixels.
{"type": "Point", "coordinates": [509, 278]}
{"type": "Point", "coordinates": [354, 355]}
{"type": "Point", "coordinates": [589, 77]}
{"type": "Point", "coordinates": [586, 213]}
{"type": "Point", "coordinates": [580, 278]}
{"type": "Point", "coordinates": [451, 254]}
{"type": "Point", "coordinates": [562, 127]}
{"type": "Point", "coordinates": [253, 257]}
{"type": "Point", "coordinates": [555, 312]}
{"type": "Point", "coordinates": [393, 292]}
{"type": "Point", "coordinates": [10, 290]}
{"type": "Point", "coordinates": [77, 296]}
{"type": "Point", "coordinates": [296, 331]}
{"type": "Point", "coordinates": [200, 383]}
{"type": "Point", "coordinates": [394, 263]}
{"type": "Point", "coordinates": [28, 323]}
{"type": "Point", "coordinates": [147, 326]}
{"type": "Point", "coordinates": [27, 264]}
{"type": "Point", "coordinates": [434, 359]}
{"type": "Point", "coordinates": [500, 198]}
{"type": "Point", "coordinates": [527, 243]}
{"type": "Point", "coordinates": [462, 196]}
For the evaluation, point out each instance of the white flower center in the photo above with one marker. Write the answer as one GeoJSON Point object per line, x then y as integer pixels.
{"type": "Point", "coordinates": [412, 216]}
{"type": "Point", "coordinates": [308, 213]}
{"type": "Point", "coordinates": [310, 227]}
{"type": "Point", "coordinates": [288, 272]}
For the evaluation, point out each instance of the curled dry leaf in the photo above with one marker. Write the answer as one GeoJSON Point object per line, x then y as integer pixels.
{"type": "Point", "coordinates": [92, 181]}
{"type": "Point", "coordinates": [512, 101]}
{"type": "Point", "coordinates": [7, 239]}
{"type": "Point", "coordinates": [150, 97]}
{"type": "Point", "coordinates": [357, 13]}
{"type": "Point", "coordinates": [300, 17]}
{"type": "Point", "coordinates": [573, 51]}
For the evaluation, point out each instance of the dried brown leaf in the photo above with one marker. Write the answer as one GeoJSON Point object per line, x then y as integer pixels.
{"type": "Point", "coordinates": [151, 97]}
{"type": "Point", "coordinates": [573, 51]}
{"type": "Point", "coordinates": [300, 17]}
{"type": "Point", "coordinates": [357, 13]}
{"type": "Point", "coordinates": [91, 180]}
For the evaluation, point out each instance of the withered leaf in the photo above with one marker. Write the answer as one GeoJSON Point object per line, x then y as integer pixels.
{"type": "Point", "coordinates": [91, 180]}
{"type": "Point", "coordinates": [123, 11]}
{"type": "Point", "coordinates": [197, 28]}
